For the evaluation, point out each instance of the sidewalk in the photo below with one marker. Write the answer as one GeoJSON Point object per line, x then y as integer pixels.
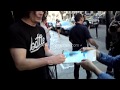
{"type": "Point", "coordinates": [62, 43]}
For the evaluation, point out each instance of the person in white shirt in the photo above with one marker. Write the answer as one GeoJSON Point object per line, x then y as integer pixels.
{"type": "Point", "coordinates": [48, 36]}
{"type": "Point", "coordinates": [58, 27]}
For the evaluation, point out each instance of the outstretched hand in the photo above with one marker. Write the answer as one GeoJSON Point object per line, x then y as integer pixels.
{"type": "Point", "coordinates": [88, 65]}
{"type": "Point", "coordinates": [86, 49]}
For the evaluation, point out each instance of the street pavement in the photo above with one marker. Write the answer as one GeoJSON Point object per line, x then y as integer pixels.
{"type": "Point", "coordinates": [57, 45]}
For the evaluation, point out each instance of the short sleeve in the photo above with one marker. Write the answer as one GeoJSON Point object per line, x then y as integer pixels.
{"type": "Point", "coordinates": [44, 33]}
{"type": "Point", "coordinates": [87, 33]}
{"type": "Point", "coordinates": [16, 39]}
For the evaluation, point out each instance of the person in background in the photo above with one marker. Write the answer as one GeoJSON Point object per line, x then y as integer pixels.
{"type": "Point", "coordinates": [114, 50]}
{"type": "Point", "coordinates": [87, 24]}
{"type": "Point", "coordinates": [43, 24]}
{"type": "Point", "coordinates": [88, 65]}
{"type": "Point", "coordinates": [112, 61]}
{"type": "Point", "coordinates": [58, 27]}
{"type": "Point", "coordinates": [29, 49]}
{"type": "Point", "coordinates": [78, 36]}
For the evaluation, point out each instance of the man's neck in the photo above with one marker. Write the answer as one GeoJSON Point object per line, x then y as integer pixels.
{"type": "Point", "coordinates": [29, 22]}
{"type": "Point", "coordinates": [79, 22]}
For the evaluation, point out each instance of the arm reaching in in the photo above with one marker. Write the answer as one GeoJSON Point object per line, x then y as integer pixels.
{"type": "Point", "coordinates": [88, 65]}
{"type": "Point", "coordinates": [105, 58]}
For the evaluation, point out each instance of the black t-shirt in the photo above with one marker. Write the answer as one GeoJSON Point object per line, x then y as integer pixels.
{"type": "Point", "coordinates": [78, 36]}
{"type": "Point", "coordinates": [33, 40]}
{"type": "Point", "coordinates": [86, 23]}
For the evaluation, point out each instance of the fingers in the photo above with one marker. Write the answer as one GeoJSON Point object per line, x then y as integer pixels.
{"type": "Point", "coordinates": [62, 55]}
{"type": "Point", "coordinates": [83, 61]}
{"type": "Point", "coordinates": [86, 49]}
{"type": "Point", "coordinates": [82, 49]}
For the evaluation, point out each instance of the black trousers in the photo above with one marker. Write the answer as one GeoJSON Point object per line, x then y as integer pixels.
{"type": "Point", "coordinates": [76, 71]}
{"type": "Point", "coordinates": [108, 67]}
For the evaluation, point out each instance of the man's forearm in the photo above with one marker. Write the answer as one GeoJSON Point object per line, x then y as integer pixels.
{"type": "Point", "coordinates": [100, 74]}
{"type": "Point", "coordinates": [97, 71]}
{"type": "Point", "coordinates": [92, 42]}
{"type": "Point", "coordinates": [49, 53]}
{"type": "Point", "coordinates": [31, 63]}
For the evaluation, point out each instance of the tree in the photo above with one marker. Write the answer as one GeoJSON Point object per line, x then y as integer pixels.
{"type": "Point", "coordinates": [46, 13]}
{"type": "Point", "coordinates": [62, 12]}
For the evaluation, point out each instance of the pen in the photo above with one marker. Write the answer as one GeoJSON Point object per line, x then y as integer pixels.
{"type": "Point", "coordinates": [62, 51]}
{"type": "Point", "coordinates": [84, 54]}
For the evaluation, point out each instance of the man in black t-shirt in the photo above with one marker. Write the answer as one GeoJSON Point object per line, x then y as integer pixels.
{"type": "Point", "coordinates": [79, 34]}
{"type": "Point", "coordinates": [29, 48]}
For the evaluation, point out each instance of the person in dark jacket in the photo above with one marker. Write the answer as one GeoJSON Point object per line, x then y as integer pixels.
{"type": "Point", "coordinates": [78, 36]}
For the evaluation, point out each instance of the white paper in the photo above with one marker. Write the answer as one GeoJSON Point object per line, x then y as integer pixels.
{"type": "Point", "coordinates": [66, 65]}
{"type": "Point", "coordinates": [77, 56]}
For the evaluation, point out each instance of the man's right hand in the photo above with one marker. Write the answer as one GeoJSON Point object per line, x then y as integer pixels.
{"type": "Point", "coordinates": [56, 59]}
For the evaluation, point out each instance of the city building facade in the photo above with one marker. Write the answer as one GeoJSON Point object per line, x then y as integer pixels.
{"type": "Point", "coordinates": [68, 15]}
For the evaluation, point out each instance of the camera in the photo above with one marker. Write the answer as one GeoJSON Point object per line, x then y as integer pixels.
{"type": "Point", "coordinates": [114, 26]}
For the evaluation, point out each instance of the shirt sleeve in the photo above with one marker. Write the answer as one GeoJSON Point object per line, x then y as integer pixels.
{"type": "Point", "coordinates": [109, 60]}
{"type": "Point", "coordinates": [87, 33]}
{"type": "Point", "coordinates": [104, 75]}
{"type": "Point", "coordinates": [16, 39]}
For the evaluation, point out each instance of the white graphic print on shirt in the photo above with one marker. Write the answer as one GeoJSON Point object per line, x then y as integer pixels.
{"type": "Point", "coordinates": [39, 42]}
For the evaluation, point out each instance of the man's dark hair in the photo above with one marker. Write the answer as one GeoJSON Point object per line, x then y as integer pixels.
{"type": "Point", "coordinates": [43, 18]}
{"type": "Point", "coordinates": [78, 16]}
{"type": "Point", "coordinates": [20, 14]}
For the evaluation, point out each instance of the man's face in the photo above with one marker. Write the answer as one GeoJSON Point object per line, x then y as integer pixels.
{"type": "Point", "coordinates": [36, 16]}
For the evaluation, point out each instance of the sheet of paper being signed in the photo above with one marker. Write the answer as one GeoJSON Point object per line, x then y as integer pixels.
{"type": "Point", "coordinates": [77, 56]}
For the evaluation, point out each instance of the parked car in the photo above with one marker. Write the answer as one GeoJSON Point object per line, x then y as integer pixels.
{"type": "Point", "coordinates": [93, 20]}
{"type": "Point", "coordinates": [102, 18]}
{"type": "Point", "coordinates": [66, 27]}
